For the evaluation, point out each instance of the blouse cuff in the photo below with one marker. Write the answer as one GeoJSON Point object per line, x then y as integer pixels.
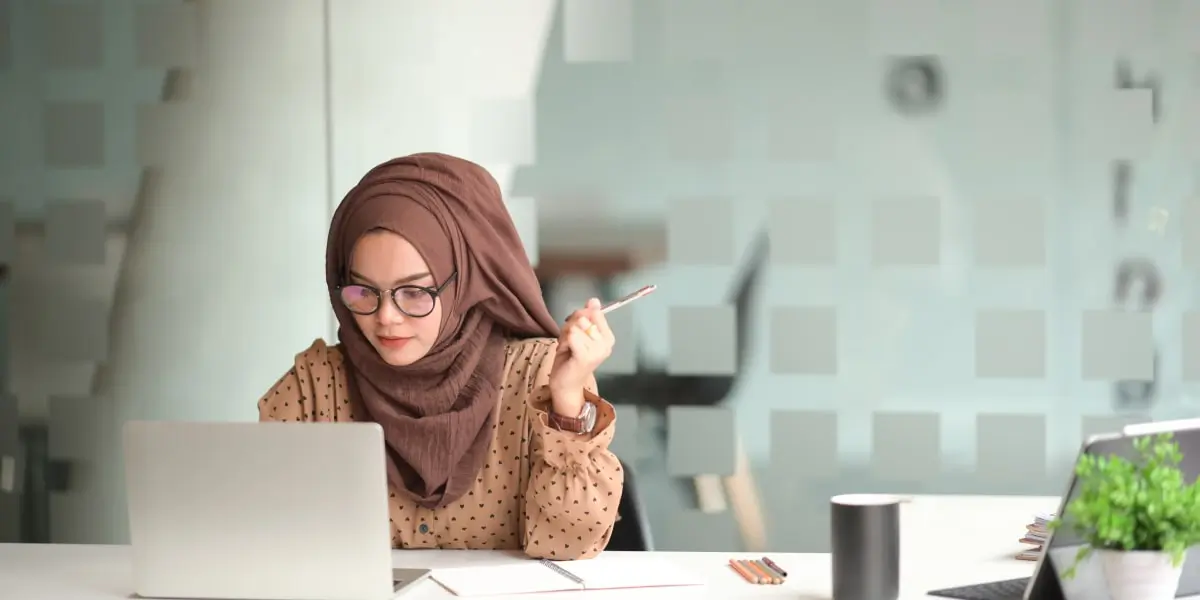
{"type": "Point", "coordinates": [563, 449]}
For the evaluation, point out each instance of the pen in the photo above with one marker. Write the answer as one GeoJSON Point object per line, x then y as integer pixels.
{"type": "Point", "coordinates": [561, 571]}
{"type": "Point", "coordinates": [615, 304]}
{"type": "Point", "coordinates": [774, 567]}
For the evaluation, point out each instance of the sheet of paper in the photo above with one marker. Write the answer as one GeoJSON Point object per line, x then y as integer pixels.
{"type": "Point", "coordinates": [523, 578]}
{"type": "Point", "coordinates": [613, 571]}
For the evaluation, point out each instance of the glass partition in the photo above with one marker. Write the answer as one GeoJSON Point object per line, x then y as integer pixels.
{"type": "Point", "coordinates": [915, 247]}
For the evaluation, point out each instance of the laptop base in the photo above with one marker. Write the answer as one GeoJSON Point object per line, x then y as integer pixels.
{"type": "Point", "coordinates": [1008, 589]}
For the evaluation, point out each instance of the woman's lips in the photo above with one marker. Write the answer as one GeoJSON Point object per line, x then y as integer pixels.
{"type": "Point", "coordinates": [393, 343]}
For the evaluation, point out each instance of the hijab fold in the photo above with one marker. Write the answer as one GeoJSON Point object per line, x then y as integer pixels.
{"type": "Point", "coordinates": [438, 413]}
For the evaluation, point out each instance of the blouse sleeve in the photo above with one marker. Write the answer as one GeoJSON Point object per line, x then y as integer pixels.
{"type": "Point", "coordinates": [291, 398]}
{"type": "Point", "coordinates": [575, 482]}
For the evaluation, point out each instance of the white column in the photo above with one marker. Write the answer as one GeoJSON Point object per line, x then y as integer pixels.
{"type": "Point", "coordinates": [453, 76]}
{"type": "Point", "coordinates": [225, 279]}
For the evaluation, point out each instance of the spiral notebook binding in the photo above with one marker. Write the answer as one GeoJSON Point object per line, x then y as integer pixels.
{"type": "Point", "coordinates": [561, 571]}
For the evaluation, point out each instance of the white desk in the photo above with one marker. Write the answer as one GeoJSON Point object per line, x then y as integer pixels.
{"type": "Point", "coordinates": [945, 540]}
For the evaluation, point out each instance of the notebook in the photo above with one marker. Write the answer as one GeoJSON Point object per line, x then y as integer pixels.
{"type": "Point", "coordinates": [1035, 535]}
{"type": "Point", "coordinates": [605, 572]}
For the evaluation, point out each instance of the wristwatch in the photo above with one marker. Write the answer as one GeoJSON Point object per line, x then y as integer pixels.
{"type": "Point", "coordinates": [584, 423]}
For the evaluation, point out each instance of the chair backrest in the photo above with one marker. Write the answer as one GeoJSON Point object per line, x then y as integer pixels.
{"type": "Point", "coordinates": [632, 531]}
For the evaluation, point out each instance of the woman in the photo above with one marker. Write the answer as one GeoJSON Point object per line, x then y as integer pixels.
{"type": "Point", "coordinates": [495, 435]}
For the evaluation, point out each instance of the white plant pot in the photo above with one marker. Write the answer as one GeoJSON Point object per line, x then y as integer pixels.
{"type": "Point", "coordinates": [1140, 574]}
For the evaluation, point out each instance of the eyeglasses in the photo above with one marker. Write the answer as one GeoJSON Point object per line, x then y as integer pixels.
{"type": "Point", "coordinates": [412, 300]}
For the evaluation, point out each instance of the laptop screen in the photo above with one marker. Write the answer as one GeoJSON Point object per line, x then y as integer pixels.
{"type": "Point", "coordinates": [1088, 583]}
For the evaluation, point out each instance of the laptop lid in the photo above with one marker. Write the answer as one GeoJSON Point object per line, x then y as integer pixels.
{"type": "Point", "coordinates": [258, 511]}
{"type": "Point", "coordinates": [1161, 426]}
{"type": "Point", "coordinates": [1061, 547]}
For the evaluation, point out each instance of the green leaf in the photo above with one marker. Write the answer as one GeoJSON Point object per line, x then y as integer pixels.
{"type": "Point", "coordinates": [1141, 504]}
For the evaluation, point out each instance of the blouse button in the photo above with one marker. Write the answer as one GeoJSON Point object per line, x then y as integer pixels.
{"type": "Point", "coordinates": [424, 528]}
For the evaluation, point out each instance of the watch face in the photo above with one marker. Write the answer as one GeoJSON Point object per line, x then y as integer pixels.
{"type": "Point", "coordinates": [589, 417]}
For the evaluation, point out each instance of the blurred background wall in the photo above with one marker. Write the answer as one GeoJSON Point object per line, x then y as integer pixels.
{"type": "Point", "coordinates": [908, 246]}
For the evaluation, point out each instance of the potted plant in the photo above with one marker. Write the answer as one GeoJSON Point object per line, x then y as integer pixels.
{"type": "Point", "coordinates": [1139, 516]}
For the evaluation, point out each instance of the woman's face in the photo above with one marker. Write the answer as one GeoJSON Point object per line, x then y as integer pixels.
{"type": "Point", "coordinates": [383, 261]}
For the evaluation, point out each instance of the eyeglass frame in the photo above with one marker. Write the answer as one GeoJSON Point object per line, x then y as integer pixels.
{"type": "Point", "coordinates": [435, 292]}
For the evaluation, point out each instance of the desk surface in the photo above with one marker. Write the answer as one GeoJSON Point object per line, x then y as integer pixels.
{"type": "Point", "coordinates": [946, 541]}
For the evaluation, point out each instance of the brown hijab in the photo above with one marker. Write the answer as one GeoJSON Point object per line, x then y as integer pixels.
{"type": "Point", "coordinates": [437, 413]}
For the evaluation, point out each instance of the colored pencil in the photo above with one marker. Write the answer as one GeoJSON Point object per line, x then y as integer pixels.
{"type": "Point", "coordinates": [764, 572]}
{"type": "Point", "coordinates": [742, 571]}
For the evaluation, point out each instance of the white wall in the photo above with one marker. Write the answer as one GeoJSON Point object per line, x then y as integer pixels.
{"type": "Point", "coordinates": [454, 76]}
{"type": "Point", "coordinates": [225, 281]}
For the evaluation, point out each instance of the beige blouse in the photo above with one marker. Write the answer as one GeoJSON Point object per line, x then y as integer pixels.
{"type": "Point", "coordinates": [552, 493]}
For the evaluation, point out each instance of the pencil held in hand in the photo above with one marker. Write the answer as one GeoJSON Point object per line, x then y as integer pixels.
{"type": "Point", "coordinates": [615, 304]}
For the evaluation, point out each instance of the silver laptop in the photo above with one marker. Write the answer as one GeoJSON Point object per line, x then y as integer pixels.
{"type": "Point", "coordinates": [1061, 547]}
{"type": "Point", "coordinates": [260, 511]}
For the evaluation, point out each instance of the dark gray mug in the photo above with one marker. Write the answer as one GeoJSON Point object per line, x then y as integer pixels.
{"type": "Point", "coordinates": [865, 531]}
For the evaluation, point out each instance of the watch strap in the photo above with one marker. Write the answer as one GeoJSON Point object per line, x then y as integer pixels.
{"type": "Point", "coordinates": [562, 423]}
{"type": "Point", "coordinates": [573, 424]}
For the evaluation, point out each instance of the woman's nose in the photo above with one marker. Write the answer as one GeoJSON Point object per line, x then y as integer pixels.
{"type": "Point", "coordinates": [388, 313]}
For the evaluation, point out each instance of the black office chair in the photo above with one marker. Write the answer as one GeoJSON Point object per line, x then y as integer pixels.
{"type": "Point", "coordinates": [632, 531]}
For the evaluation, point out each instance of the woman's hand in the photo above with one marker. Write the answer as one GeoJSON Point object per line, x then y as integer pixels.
{"type": "Point", "coordinates": [584, 343]}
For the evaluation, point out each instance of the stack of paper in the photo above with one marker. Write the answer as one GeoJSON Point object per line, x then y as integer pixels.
{"type": "Point", "coordinates": [1035, 537]}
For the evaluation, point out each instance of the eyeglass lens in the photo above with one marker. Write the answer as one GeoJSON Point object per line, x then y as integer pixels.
{"type": "Point", "coordinates": [411, 300]}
